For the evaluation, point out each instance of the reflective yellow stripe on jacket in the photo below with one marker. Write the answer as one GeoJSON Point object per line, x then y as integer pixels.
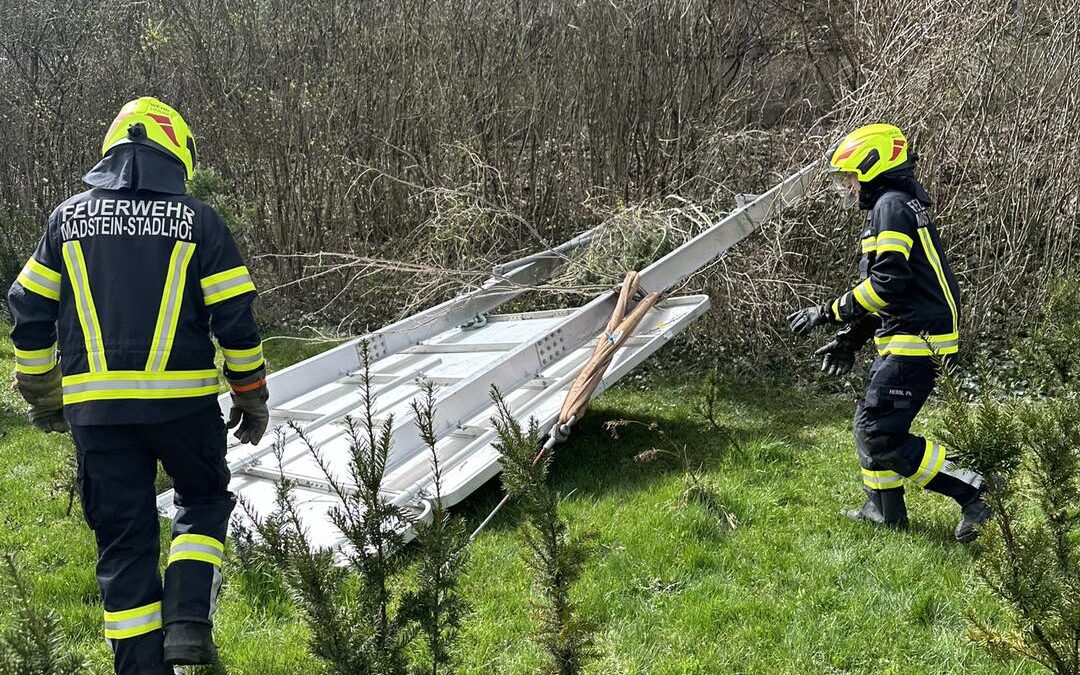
{"type": "Point", "coordinates": [228, 284]}
{"type": "Point", "coordinates": [35, 361]}
{"type": "Point", "coordinates": [918, 345]}
{"type": "Point", "coordinates": [243, 360]}
{"type": "Point", "coordinates": [84, 306]}
{"type": "Point", "coordinates": [888, 240]}
{"type": "Point", "coordinates": [935, 262]}
{"type": "Point", "coordinates": [139, 384]}
{"type": "Point", "coordinates": [172, 297]}
{"type": "Point", "coordinates": [868, 297]}
{"type": "Point", "coordinates": [40, 279]}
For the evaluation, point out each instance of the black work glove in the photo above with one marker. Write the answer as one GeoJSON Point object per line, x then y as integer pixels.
{"type": "Point", "coordinates": [249, 412]}
{"type": "Point", "coordinates": [838, 359]}
{"type": "Point", "coordinates": [45, 396]}
{"type": "Point", "coordinates": [808, 318]}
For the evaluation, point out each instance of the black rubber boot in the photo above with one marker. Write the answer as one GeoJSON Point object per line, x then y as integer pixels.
{"type": "Point", "coordinates": [882, 507]}
{"type": "Point", "coordinates": [976, 513]}
{"type": "Point", "coordinates": [188, 643]}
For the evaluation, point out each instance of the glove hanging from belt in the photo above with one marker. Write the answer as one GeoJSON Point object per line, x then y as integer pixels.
{"type": "Point", "coordinates": [45, 396]}
{"type": "Point", "coordinates": [249, 413]}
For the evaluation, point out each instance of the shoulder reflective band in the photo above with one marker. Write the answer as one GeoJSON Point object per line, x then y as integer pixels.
{"type": "Point", "coordinates": [133, 622]}
{"type": "Point", "coordinates": [196, 547]}
{"type": "Point", "coordinates": [40, 279]}
{"type": "Point", "coordinates": [881, 480]}
{"type": "Point", "coordinates": [890, 240]}
{"type": "Point", "coordinates": [868, 297]}
{"type": "Point", "coordinates": [243, 360]}
{"type": "Point", "coordinates": [139, 384]}
{"type": "Point", "coordinates": [84, 305]}
{"type": "Point", "coordinates": [932, 460]}
{"type": "Point", "coordinates": [35, 361]}
{"type": "Point", "coordinates": [935, 262]}
{"type": "Point", "coordinates": [172, 296]}
{"type": "Point", "coordinates": [227, 284]}
{"type": "Point", "coordinates": [918, 345]}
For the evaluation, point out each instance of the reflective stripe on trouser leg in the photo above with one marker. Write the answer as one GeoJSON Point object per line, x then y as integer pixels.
{"type": "Point", "coordinates": [192, 450]}
{"type": "Point", "coordinates": [193, 575]}
{"type": "Point", "coordinates": [882, 480]}
{"type": "Point", "coordinates": [133, 622]}
{"type": "Point", "coordinates": [933, 460]}
{"type": "Point", "coordinates": [963, 485]}
{"type": "Point", "coordinates": [190, 557]}
{"type": "Point", "coordinates": [135, 637]}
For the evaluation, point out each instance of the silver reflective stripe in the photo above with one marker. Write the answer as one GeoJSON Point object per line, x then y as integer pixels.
{"type": "Point", "coordinates": [242, 360]}
{"type": "Point", "coordinates": [918, 344]}
{"type": "Point", "coordinates": [972, 478]}
{"type": "Point", "coordinates": [85, 307]}
{"type": "Point", "coordinates": [862, 292]}
{"type": "Point", "coordinates": [126, 624]}
{"type": "Point", "coordinates": [189, 547]}
{"type": "Point", "coordinates": [48, 284]}
{"type": "Point", "coordinates": [882, 241]}
{"type": "Point", "coordinates": [171, 303]}
{"type": "Point", "coordinates": [138, 384]}
{"type": "Point", "coordinates": [214, 289]}
{"type": "Point", "coordinates": [882, 480]}
{"type": "Point", "coordinates": [215, 587]}
{"type": "Point", "coordinates": [39, 361]}
{"type": "Point", "coordinates": [931, 457]}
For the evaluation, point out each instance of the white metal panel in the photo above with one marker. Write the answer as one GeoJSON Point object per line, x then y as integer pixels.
{"type": "Point", "coordinates": [466, 451]}
{"type": "Point", "coordinates": [531, 357]}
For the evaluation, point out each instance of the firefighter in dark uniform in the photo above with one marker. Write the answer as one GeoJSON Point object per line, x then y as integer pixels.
{"type": "Point", "coordinates": [908, 301]}
{"type": "Point", "coordinates": [113, 317]}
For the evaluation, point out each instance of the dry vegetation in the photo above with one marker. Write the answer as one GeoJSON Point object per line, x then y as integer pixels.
{"type": "Point", "coordinates": [388, 152]}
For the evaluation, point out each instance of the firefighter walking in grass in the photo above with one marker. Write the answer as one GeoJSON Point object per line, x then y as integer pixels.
{"type": "Point", "coordinates": [908, 301]}
{"type": "Point", "coordinates": [113, 316]}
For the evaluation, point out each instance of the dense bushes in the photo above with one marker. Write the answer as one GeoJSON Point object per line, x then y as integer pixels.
{"type": "Point", "coordinates": [423, 139]}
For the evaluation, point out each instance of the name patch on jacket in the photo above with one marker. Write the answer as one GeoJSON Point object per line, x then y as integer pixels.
{"type": "Point", "coordinates": [108, 217]}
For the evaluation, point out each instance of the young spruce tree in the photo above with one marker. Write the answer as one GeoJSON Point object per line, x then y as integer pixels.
{"type": "Point", "coordinates": [556, 558]}
{"type": "Point", "coordinates": [34, 643]}
{"type": "Point", "coordinates": [361, 624]}
{"type": "Point", "coordinates": [1031, 562]}
{"type": "Point", "coordinates": [437, 605]}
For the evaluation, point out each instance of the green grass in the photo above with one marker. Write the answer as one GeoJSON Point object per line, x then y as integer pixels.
{"type": "Point", "coordinates": [767, 578]}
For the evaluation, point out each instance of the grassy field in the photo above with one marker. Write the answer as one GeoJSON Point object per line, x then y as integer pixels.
{"type": "Point", "coordinates": [766, 579]}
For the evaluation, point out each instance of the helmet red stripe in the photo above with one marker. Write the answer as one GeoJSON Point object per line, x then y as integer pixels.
{"type": "Point", "coordinates": [898, 147]}
{"type": "Point", "coordinates": [849, 152]}
{"type": "Point", "coordinates": [166, 126]}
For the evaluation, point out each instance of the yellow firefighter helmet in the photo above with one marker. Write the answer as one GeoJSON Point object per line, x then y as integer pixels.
{"type": "Point", "coordinates": [869, 151]}
{"type": "Point", "coordinates": [148, 121]}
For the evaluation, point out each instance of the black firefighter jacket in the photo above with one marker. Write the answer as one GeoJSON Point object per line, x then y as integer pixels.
{"type": "Point", "coordinates": [906, 282]}
{"type": "Point", "coordinates": [125, 289]}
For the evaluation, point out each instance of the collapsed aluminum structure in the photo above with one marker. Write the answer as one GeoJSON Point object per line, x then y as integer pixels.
{"type": "Point", "coordinates": [458, 346]}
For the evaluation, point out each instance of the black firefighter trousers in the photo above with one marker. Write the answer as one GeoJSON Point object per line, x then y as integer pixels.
{"type": "Point", "coordinates": [896, 389]}
{"type": "Point", "coordinates": [117, 466]}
